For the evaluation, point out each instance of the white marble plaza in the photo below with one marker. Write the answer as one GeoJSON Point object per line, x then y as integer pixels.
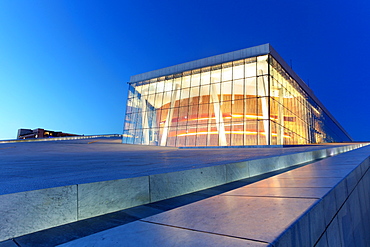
{"type": "Point", "coordinates": [50, 184]}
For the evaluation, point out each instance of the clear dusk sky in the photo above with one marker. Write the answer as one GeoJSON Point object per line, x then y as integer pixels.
{"type": "Point", "coordinates": [64, 65]}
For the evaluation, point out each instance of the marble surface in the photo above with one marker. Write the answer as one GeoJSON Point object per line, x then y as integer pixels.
{"type": "Point", "coordinates": [145, 234]}
{"type": "Point", "coordinates": [257, 218]}
{"type": "Point", "coordinates": [314, 182]}
{"type": "Point", "coordinates": [100, 176]}
{"type": "Point", "coordinates": [38, 165]}
{"type": "Point", "coordinates": [167, 185]}
{"type": "Point", "coordinates": [237, 171]}
{"type": "Point", "coordinates": [282, 210]}
{"type": "Point", "coordinates": [285, 192]}
{"type": "Point", "coordinates": [8, 243]}
{"type": "Point", "coordinates": [109, 196]}
{"type": "Point", "coordinates": [333, 234]}
{"type": "Point", "coordinates": [31, 211]}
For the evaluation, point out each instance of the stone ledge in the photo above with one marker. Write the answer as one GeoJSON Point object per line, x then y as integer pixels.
{"type": "Point", "coordinates": [93, 199]}
{"type": "Point", "coordinates": [339, 218]}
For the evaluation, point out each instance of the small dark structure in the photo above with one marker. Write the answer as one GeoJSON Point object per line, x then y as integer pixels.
{"type": "Point", "coordinates": [40, 133]}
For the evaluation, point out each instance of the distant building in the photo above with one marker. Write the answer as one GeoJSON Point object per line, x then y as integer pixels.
{"type": "Point", "coordinates": [40, 133]}
{"type": "Point", "coordinates": [246, 97]}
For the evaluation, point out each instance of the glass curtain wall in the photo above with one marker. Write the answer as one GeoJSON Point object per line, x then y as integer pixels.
{"type": "Point", "coordinates": [252, 101]}
{"type": "Point", "coordinates": [295, 114]}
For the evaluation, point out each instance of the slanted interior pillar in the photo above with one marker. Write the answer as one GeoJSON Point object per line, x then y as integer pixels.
{"type": "Point", "coordinates": [219, 119]}
{"type": "Point", "coordinates": [265, 108]}
{"type": "Point", "coordinates": [280, 129]}
{"type": "Point", "coordinates": [166, 127]}
{"type": "Point", "coordinates": [144, 120]}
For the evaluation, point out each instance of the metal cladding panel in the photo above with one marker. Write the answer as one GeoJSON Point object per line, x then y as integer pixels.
{"type": "Point", "coordinates": [218, 59]}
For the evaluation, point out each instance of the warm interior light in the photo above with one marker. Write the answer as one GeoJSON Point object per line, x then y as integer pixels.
{"type": "Point", "coordinates": [316, 110]}
{"type": "Point", "coordinates": [125, 135]}
{"type": "Point", "coordinates": [235, 132]}
{"type": "Point", "coordinates": [227, 117]}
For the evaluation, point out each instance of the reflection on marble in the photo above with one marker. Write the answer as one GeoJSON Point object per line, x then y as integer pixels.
{"type": "Point", "coordinates": [167, 185]}
{"type": "Point", "coordinates": [146, 234]}
{"type": "Point", "coordinates": [178, 172]}
{"type": "Point", "coordinates": [108, 196]}
{"type": "Point", "coordinates": [278, 192]}
{"type": "Point", "coordinates": [260, 166]}
{"type": "Point", "coordinates": [237, 171]}
{"type": "Point", "coordinates": [26, 212]}
{"type": "Point", "coordinates": [296, 182]}
{"type": "Point", "coordinates": [259, 218]}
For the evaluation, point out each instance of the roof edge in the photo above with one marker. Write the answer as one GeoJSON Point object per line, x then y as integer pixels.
{"type": "Point", "coordinates": [204, 62]}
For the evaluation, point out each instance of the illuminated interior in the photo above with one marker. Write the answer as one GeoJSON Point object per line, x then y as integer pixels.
{"type": "Point", "coordinates": [252, 101]}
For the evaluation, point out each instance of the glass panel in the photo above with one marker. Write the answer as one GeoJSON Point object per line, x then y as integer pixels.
{"type": "Point", "coordinates": [205, 114]}
{"type": "Point", "coordinates": [250, 88]}
{"type": "Point", "coordinates": [212, 136]}
{"type": "Point", "coordinates": [195, 80]}
{"type": "Point", "coordinates": [250, 135]}
{"type": "Point", "coordinates": [186, 81]}
{"type": "Point", "coordinates": [261, 132]}
{"type": "Point", "coordinates": [250, 69]}
{"type": "Point", "coordinates": [205, 78]}
{"type": "Point", "coordinates": [227, 72]}
{"type": "Point", "coordinates": [204, 94]}
{"type": "Point", "coordinates": [237, 133]}
{"type": "Point", "coordinates": [181, 108]}
{"type": "Point", "coordinates": [238, 89]}
{"type": "Point", "coordinates": [216, 74]}
{"type": "Point", "coordinates": [191, 135]}
{"type": "Point", "coordinates": [194, 95]}
{"type": "Point", "coordinates": [274, 133]}
{"type": "Point", "coordinates": [238, 70]}
{"type": "Point", "coordinates": [201, 138]}
{"type": "Point", "coordinates": [262, 86]}
{"type": "Point", "coordinates": [226, 90]}
{"type": "Point", "coordinates": [184, 96]}
{"type": "Point", "coordinates": [262, 65]}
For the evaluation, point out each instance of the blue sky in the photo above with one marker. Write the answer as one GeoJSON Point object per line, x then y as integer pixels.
{"type": "Point", "coordinates": [64, 64]}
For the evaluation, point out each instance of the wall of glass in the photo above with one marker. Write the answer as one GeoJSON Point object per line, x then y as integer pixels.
{"type": "Point", "coordinates": [252, 101]}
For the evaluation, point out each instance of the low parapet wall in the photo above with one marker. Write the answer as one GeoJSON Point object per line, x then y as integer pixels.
{"type": "Point", "coordinates": [339, 218]}
{"type": "Point", "coordinates": [31, 211]}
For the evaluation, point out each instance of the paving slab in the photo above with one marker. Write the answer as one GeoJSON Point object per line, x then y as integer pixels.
{"type": "Point", "coordinates": [257, 218]}
{"type": "Point", "coordinates": [279, 192]}
{"type": "Point", "coordinates": [145, 234]}
{"type": "Point", "coordinates": [107, 176]}
{"type": "Point", "coordinates": [283, 210]}
{"type": "Point", "coordinates": [291, 182]}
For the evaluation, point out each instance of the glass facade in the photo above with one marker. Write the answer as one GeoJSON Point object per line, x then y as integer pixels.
{"type": "Point", "coordinates": [250, 101]}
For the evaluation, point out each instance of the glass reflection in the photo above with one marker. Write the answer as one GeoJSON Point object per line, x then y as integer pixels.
{"type": "Point", "coordinates": [252, 101]}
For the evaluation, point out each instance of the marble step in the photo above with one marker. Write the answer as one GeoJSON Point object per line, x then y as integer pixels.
{"type": "Point", "coordinates": [30, 211]}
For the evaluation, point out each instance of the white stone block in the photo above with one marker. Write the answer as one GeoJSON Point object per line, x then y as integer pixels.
{"type": "Point", "coordinates": [31, 211]}
{"type": "Point", "coordinates": [109, 196]}
{"type": "Point", "coordinates": [167, 185]}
